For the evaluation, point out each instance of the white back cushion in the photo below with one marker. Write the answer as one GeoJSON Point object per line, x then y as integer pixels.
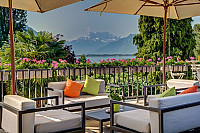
{"type": "Point", "coordinates": [10, 120]}
{"type": "Point", "coordinates": [179, 120]}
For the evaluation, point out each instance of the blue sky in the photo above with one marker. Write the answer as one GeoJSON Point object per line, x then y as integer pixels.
{"type": "Point", "coordinates": [72, 21]}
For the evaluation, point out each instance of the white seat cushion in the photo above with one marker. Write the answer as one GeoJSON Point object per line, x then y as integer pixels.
{"type": "Point", "coordinates": [56, 120]}
{"type": "Point", "coordinates": [138, 120]}
{"type": "Point", "coordinates": [90, 100]}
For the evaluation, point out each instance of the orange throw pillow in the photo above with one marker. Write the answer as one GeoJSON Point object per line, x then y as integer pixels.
{"type": "Point", "coordinates": [72, 89]}
{"type": "Point", "coordinates": [190, 90]}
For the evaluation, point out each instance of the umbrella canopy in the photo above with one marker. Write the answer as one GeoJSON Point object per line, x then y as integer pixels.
{"type": "Point", "coordinates": [30, 5]}
{"type": "Point", "coordinates": [37, 5]}
{"type": "Point", "coordinates": [177, 9]}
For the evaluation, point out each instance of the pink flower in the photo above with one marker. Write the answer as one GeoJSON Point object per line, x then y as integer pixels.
{"type": "Point", "coordinates": [27, 59]}
{"type": "Point", "coordinates": [77, 61]}
{"type": "Point", "coordinates": [132, 59]}
{"type": "Point", "coordinates": [192, 58]}
{"type": "Point", "coordinates": [54, 62]}
{"type": "Point", "coordinates": [55, 65]}
{"type": "Point", "coordinates": [39, 62]}
{"type": "Point", "coordinates": [112, 59]}
{"type": "Point", "coordinates": [149, 60]}
{"type": "Point", "coordinates": [5, 64]}
{"type": "Point", "coordinates": [9, 64]}
{"type": "Point", "coordinates": [158, 59]}
{"type": "Point", "coordinates": [170, 57]}
{"type": "Point", "coordinates": [60, 60]}
{"type": "Point", "coordinates": [140, 59]}
{"type": "Point", "coordinates": [88, 60]}
{"type": "Point", "coordinates": [102, 61]}
{"type": "Point", "coordinates": [43, 60]}
{"type": "Point", "coordinates": [107, 59]}
{"type": "Point", "coordinates": [34, 60]}
{"type": "Point", "coordinates": [178, 59]}
{"type": "Point", "coordinates": [20, 58]}
{"type": "Point", "coordinates": [0, 64]}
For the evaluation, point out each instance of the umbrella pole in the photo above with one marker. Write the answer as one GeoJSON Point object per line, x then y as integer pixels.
{"type": "Point", "coordinates": [164, 41]}
{"type": "Point", "coordinates": [12, 50]}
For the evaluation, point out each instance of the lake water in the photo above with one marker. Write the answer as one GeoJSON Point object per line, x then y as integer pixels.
{"type": "Point", "coordinates": [98, 58]}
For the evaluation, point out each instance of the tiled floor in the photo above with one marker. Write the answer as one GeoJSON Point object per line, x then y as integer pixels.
{"type": "Point", "coordinates": [92, 126]}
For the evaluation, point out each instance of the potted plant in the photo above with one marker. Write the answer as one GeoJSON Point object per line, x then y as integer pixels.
{"type": "Point", "coordinates": [115, 96]}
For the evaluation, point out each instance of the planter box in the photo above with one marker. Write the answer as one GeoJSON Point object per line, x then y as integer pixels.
{"type": "Point", "coordinates": [37, 74]}
{"type": "Point", "coordinates": [132, 70]}
{"type": "Point", "coordinates": [176, 68]}
{"type": "Point", "coordinates": [180, 68]}
{"type": "Point", "coordinates": [20, 75]}
{"type": "Point", "coordinates": [71, 73]}
{"type": "Point", "coordinates": [140, 69]}
{"type": "Point", "coordinates": [101, 70]}
{"type": "Point", "coordinates": [118, 70]}
{"type": "Point", "coordinates": [167, 69]}
{"type": "Point", "coordinates": [5, 76]}
{"type": "Point", "coordinates": [185, 68]}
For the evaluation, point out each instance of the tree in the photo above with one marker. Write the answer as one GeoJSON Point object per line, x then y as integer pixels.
{"type": "Point", "coordinates": [196, 29]}
{"type": "Point", "coordinates": [19, 22]}
{"type": "Point", "coordinates": [150, 39]}
{"type": "Point", "coordinates": [42, 46]}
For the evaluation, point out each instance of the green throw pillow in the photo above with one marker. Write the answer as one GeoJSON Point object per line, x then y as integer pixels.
{"type": "Point", "coordinates": [91, 86]}
{"type": "Point", "coordinates": [169, 92]}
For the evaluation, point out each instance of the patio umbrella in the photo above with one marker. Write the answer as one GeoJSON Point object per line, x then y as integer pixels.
{"type": "Point", "coordinates": [40, 6]}
{"type": "Point", "coordinates": [179, 9]}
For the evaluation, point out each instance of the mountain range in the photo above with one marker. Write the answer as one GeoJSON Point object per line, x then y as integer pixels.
{"type": "Point", "coordinates": [103, 43]}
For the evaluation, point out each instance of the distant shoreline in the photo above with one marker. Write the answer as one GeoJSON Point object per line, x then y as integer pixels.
{"type": "Point", "coordinates": [103, 55]}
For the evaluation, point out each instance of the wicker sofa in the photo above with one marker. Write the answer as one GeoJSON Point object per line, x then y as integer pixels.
{"type": "Point", "coordinates": [163, 115]}
{"type": "Point", "coordinates": [91, 101]}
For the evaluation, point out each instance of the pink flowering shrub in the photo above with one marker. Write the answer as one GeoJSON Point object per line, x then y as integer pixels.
{"type": "Point", "coordinates": [26, 63]}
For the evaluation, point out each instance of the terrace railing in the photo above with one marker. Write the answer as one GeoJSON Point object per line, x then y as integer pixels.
{"type": "Point", "coordinates": [31, 82]}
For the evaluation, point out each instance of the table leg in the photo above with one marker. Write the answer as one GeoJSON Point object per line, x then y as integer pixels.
{"type": "Point", "coordinates": [100, 126]}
